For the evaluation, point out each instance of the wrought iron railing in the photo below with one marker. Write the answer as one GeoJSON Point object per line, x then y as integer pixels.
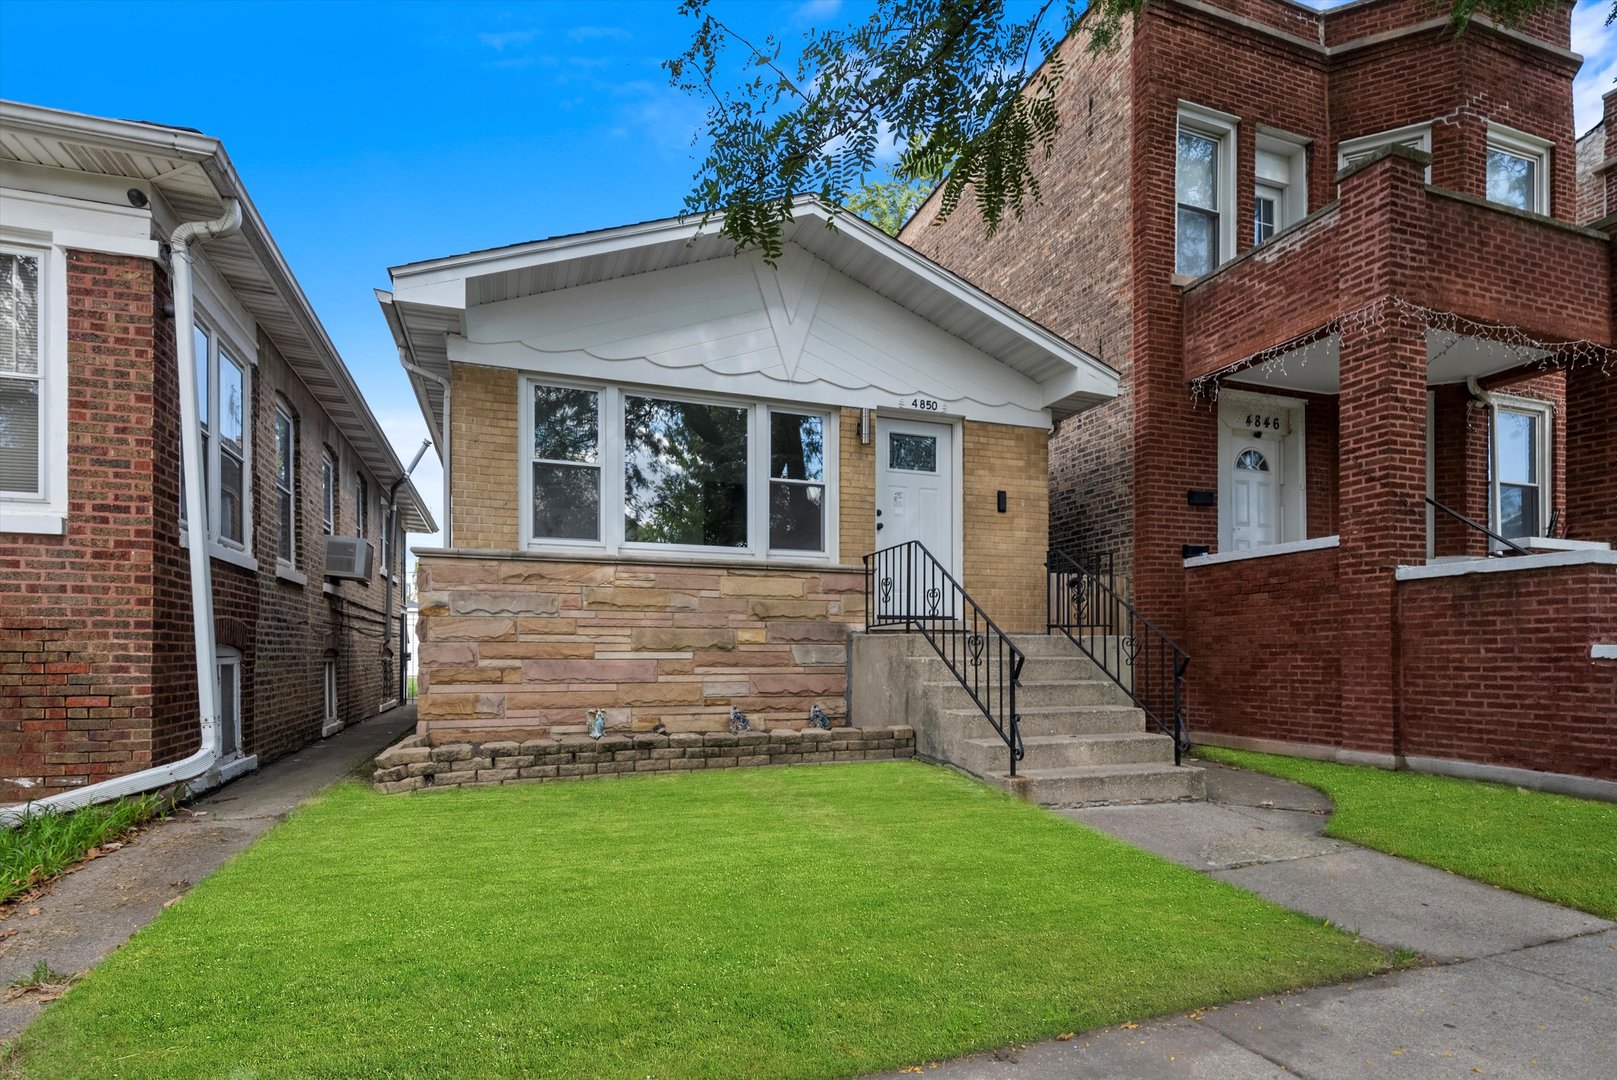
{"type": "Point", "coordinates": [905, 586]}
{"type": "Point", "coordinates": [1084, 603]}
{"type": "Point", "coordinates": [1479, 527]}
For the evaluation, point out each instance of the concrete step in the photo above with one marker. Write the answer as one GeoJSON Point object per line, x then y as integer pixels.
{"type": "Point", "coordinates": [1036, 668]}
{"type": "Point", "coordinates": [1093, 785]}
{"type": "Point", "coordinates": [951, 695]}
{"type": "Point", "coordinates": [1061, 719]}
{"type": "Point", "coordinates": [989, 755]}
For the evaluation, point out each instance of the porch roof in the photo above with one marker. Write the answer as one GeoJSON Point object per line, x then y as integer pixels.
{"type": "Point", "coordinates": [431, 298]}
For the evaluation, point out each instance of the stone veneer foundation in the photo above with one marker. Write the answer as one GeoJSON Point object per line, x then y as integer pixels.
{"type": "Point", "coordinates": [415, 765]}
{"type": "Point", "coordinates": [518, 646]}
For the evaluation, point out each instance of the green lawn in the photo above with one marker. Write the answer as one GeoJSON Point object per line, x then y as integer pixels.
{"type": "Point", "coordinates": [46, 842]}
{"type": "Point", "coordinates": [1550, 846]}
{"type": "Point", "coordinates": [786, 922]}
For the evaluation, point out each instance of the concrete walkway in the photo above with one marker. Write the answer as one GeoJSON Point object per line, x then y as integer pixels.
{"type": "Point", "coordinates": [1521, 988]}
{"type": "Point", "coordinates": [87, 914]}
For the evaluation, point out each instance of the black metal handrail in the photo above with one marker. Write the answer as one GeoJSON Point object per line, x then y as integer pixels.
{"type": "Point", "coordinates": [1481, 528]}
{"type": "Point", "coordinates": [906, 586]}
{"type": "Point", "coordinates": [1083, 603]}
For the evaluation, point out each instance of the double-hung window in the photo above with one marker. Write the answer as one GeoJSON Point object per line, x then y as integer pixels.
{"type": "Point", "coordinates": [286, 500]}
{"type": "Point", "coordinates": [1204, 182]}
{"type": "Point", "coordinates": [224, 401]}
{"type": "Point", "coordinates": [328, 493]}
{"type": "Point", "coordinates": [22, 377]}
{"type": "Point", "coordinates": [362, 506]}
{"type": "Point", "coordinates": [1520, 471]}
{"type": "Point", "coordinates": [632, 470]}
{"type": "Point", "coordinates": [1415, 137]}
{"type": "Point", "coordinates": [1518, 170]}
{"type": "Point", "coordinates": [1280, 195]}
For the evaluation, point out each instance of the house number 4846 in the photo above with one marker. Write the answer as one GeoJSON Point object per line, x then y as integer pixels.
{"type": "Point", "coordinates": [1256, 422]}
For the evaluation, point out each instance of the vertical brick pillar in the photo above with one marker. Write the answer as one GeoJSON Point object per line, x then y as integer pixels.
{"type": "Point", "coordinates": [1591, 414]}
{"type": "Point", "coordinates": [1382, 483]}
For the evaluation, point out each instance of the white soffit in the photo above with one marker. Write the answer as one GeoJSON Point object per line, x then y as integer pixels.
{"type": "Point", "coordinates": [192, 173]}
{"type": "Point", "coordinates": [431, 297]}
{"type": "Point", "coordinates": [1451, 358]}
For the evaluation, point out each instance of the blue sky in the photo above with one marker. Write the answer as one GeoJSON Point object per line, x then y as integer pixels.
{"type": "Point", "coordinates": [373, 134]}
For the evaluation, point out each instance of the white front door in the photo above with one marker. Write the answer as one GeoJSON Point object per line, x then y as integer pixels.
{"type": "Point", "coordinates": [915, 487]}
{"type": "Point", "coordinates": [1254, 488]}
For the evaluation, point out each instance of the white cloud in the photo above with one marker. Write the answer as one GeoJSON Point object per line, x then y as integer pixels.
{"type": "Point", "coordinates": [596, 33]}
{"type": "Point", "coordinates": [816, 11]}
{"type": "Point", "coordinates": [1598, 44]}
{"type": "Point", "coordinates": [498, 40]}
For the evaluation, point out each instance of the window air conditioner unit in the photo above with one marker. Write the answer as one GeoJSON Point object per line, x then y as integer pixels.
{"type": "Point", "coordinates": [348, 557]}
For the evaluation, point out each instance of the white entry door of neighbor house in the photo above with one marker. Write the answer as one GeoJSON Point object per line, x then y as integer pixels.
{"type": "Point", "coordinates": [1255, 471]}
{"type": "Point", "coordinates": [915, 493]}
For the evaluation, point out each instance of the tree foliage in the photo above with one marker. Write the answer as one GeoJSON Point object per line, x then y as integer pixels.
{"type": "Point", "coordinates": [921, 89]}
{"type": "Point", "coordinates": [887, 204]}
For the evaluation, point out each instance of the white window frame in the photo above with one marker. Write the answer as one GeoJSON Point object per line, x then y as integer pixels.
{"type": "Point", "coordinates": [610, 458]}
{"type": "Point", "coordinates": [362, 505]}
{"type": "Point", "coordinates": [1544, 415]}
{"type": "Point", "coordinates": [1222, 128]}
{"type": "Point", "coordinates": [331, 705]}
{"type": "Point", "coordinates": [240, 552]}
{"type": "Point", "coordinates": [44, 511]}
{"type": "Point", "coordinates": [1527, 146]}
{"type": "Point", "coordinates": [1294, 188]}
{"type": "Point", "coordinates": [330, 491]}
{"type": "Point", "coordinates": [229, 667]}
{"type": "Point", "coordinates": [1414, 136]}
{"type": "Point", "coordinates": [284, 412]}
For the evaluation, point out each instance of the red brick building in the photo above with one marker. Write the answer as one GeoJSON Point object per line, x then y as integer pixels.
{"type": "Point", "coordinates": [1336, 257]}
{"type": "Point", "coordinates": [98, 651]}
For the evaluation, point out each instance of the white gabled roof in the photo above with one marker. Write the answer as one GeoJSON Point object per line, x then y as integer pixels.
{"type": "Point", "coordinates": [430, 299]}
{"type": "Point", "coordinates": [193, 174]}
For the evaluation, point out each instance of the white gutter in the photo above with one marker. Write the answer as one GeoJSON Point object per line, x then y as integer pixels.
{"type": "Point", "coordinates": [196, 499]}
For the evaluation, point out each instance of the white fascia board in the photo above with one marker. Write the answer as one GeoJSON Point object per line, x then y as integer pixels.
{"type": "Point", "coordinates": [1090, 386]}
{"type": "Point", "coordinates": [448, 293]}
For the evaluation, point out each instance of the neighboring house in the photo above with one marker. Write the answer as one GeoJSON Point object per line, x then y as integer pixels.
{"type": "Point", "coordinates": [1594, 168]}
{"type": "Point", "coordinates": [1334, 256]}
{"type": "Point", "coordinates": [98, 651]}
{"type": "Point", "coordinates": [666, 463]}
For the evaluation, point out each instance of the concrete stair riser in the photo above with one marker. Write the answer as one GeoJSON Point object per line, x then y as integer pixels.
{"type": "Point", "coordinates": [1111, 784]}
{"type": "Point", "coordinates": [1060, 720]}
{"type": "Point", "coordinates": [984, 756]}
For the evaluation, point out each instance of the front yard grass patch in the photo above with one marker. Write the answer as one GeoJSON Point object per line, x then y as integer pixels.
{"type": "Point", "coordinates": [787, 922]}
{"type": "Point", "coordinates": [1554, 847]}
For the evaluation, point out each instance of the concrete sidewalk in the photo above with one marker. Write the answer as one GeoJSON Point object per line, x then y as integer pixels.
{"type": "Point", "coordinates": [87, 914]}
{"type": "Point", "coordinates": [1525, 988]}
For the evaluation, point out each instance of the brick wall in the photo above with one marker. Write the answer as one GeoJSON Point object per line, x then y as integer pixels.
{"type": "Point", "coordinates": [76, 698]}
{"type": "Point", "coordinates": [1004, 553]}
{"type": "Point", "coordinates": [856, 477]}
{"type": "Point", "coordinates": [1496, 669]}
{"type": "Point", "coordinates": [1591, 184]}
{"type": "Point", "coordinates": [527, 646]}
{"type": "Point", "coordinates": [1262, 634]}
{"type": "Point", "coordinates": [483, 458]}
{"type": "Point", "coordinates": [96, 641]}
{"type": "Point", "coordinates": [1065, 264]}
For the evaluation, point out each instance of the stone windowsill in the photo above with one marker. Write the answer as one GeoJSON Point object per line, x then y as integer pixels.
{"type": "Point", "coordinates": [638, 559]}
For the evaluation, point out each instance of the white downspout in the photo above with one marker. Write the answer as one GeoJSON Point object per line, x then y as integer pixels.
{"type": "Point", "coordinates": [196, 500]}
{"type": "Point", "coordinates": [444, 432]}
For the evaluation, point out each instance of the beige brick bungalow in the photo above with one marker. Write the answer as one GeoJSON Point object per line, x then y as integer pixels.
{"type": "Point", "coordinates": [665, 463]}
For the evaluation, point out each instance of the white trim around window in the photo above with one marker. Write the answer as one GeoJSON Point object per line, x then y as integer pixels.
{"type": "Point", "coordinates": [1280, 174]}
{"type": "Point", "coordinates": [1541, 429]}
{"type": "Point", "coordinates": [1219, 128]}
{"type": "Point", "coordinates": [1529, 153]}
{"type": "Point", "coordinates": [43, 508]}
{"type": "Point", "coordinates": [1414, 136]}
{"type": "Point", "coordinates": [606, 458]}
{"type": "Point", "coordinates": [219, 353]}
